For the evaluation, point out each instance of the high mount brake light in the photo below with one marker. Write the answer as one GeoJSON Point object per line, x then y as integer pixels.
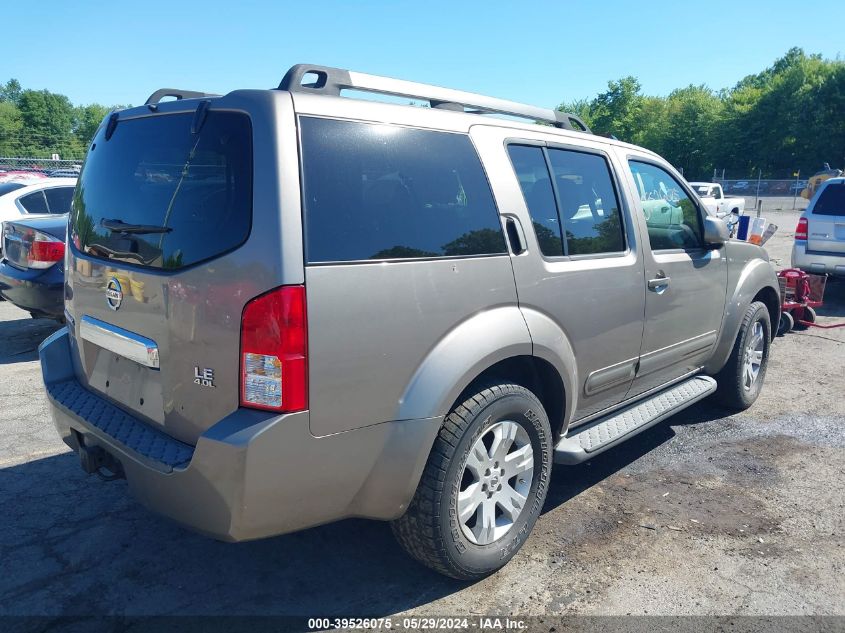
{"type": "Point", "coordinates": [274, 351]}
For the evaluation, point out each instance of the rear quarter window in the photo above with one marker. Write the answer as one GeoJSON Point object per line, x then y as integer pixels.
{"type": "Point", "coordinates": [35, 203]}
{"type": "Point", "coordinates": [59, 199]}
{"type": "Point", "coordinates": [376, 191]}
{"type": "Point", "coordinates": [831, 200]}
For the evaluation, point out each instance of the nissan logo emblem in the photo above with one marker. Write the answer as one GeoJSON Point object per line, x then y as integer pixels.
{"type": "Point", "coordinates": [114, 293]}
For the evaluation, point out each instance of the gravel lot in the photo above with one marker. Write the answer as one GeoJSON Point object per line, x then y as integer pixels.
{"type": "Point", "coordinates": [708, 513]}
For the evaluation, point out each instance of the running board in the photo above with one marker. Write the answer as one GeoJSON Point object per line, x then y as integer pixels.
{"type": "Point", "coordinates": [583, 444]}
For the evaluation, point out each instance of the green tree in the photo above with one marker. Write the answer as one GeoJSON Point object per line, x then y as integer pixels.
{"type": "Point", "coordinates": [10, 91]}
{"type": "Point", "coordinates": [88, 119]}
{"type": "Point", "coordinates": [618, 110]}
{"type": "Point", "coordinates": [789, 116]}
{"type": "Point", "coordinates": [692, 115]}
{"type": "Point", "coordinates": [11, 125]}
{"type": "Point", "coordinates": [48, 120]}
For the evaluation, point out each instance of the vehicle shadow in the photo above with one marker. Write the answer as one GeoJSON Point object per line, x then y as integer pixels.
{"type": "Point", "coordinates": [834, 299]}
{"type": "Point", "coordinates": [74, 545]}
{"type": "Point", "coordinates": [20, 338]}
{"type": "Point", "coordinates": [570, 481]}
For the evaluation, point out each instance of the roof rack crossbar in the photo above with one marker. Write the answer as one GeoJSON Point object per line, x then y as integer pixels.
{"type": "Point", "coordinates": [331, 81]}
{"type": "Point", "coordinates": [178, 94]}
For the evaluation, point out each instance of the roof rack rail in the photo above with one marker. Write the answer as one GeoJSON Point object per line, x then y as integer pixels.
{"type": "Point", "coordinates": [331, 81]}
{"type": "Point", "coordinates": [161, 93]}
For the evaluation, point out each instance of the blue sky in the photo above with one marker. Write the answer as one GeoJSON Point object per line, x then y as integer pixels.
{"type": "Point", "coordinates": [540, 52]}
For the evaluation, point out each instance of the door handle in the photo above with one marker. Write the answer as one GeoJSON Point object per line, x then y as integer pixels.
{"type": "Point", "coordinates": [659, 284]}
{"type": "Point", "coordinates": [516, 238]}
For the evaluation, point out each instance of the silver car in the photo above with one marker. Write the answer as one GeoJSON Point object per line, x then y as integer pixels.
{"type": "Point", "coordinates": [820, 235]}
{"type": "Point", "coordinates": [287, 307]}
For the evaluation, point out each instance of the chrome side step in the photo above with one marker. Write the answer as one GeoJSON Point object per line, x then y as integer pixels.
{"type": "Point", "coordinates": [583, 444]}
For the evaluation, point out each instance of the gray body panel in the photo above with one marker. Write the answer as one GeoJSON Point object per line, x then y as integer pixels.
{"type": "Point", "coordinates": [392, 344]}
{"type": "Point", "coordinates": [255, 474]}
{"type": "Point", "coordinates": [595, 304]}
{"type": "Point", "coordinates": [194, 314]}
{"type": "Point", "coordinates": [393, 316]}
{"type": "Point", "coordinates": [682, 320]}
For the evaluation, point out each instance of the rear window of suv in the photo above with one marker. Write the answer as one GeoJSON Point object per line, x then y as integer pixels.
{"type": "Point", "coordinates": [377, 191]}
{"type": "Point", "coordinates": [831, 200]}
{"type": "Point", "coordinates": [157, 195]}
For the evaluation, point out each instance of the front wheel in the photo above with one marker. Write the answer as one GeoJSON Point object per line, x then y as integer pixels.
{"type": "Point", "coordinates": [741, 379]}
{"type": "Point", "coordinates": [483, 486]}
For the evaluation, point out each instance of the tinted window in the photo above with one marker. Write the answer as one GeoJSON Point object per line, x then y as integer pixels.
{"type": "Point", "coordinates": [589, 209]}
{"type": "Point", "coordinates": [672, 218]}
{"type": "Point", "coordinates": [529, 163]}
{"type": "Point", "coordinates": [35, 203]}
{"type": "Point", "coordinates": [9, 187]}
{"type": "Point", "coordinates": [831, 200]}
{"type": "Point", "coordinates": [59, 199]}
{"type": "Point", "coordinates": [191, 192]}
{"type": "Point", "coordinates": [384, 192]}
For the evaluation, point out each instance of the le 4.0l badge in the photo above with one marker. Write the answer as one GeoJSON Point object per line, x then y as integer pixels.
{"type": "Point", "coordinates": [204, 377]}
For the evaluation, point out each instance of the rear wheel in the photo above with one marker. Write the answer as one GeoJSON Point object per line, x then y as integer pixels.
{"type": "Point", "coordinates": [483, 486]}
{"type": "Point", "coordinates": [741, 379]}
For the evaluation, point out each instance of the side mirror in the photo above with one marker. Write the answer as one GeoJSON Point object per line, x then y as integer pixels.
{"type": "Point", "coordinates": [716, 231]}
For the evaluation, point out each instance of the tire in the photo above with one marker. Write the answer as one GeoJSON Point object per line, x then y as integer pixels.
{"type": "Point", "coordinates": [733, 389]}
{"type": "Point", "coordinates": [809, 316]}
{"type": "Point", "coordinates": [786, 323]}
{"type": "Point", "coordinates": [432, 531]}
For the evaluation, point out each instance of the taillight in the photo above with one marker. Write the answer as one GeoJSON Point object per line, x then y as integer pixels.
{"type": "Point", "coordinates": [801, 229]}
{"type": "Point", "coordinates": [274, 351]}
{"type": "Point", "coordinates": [42, 250]}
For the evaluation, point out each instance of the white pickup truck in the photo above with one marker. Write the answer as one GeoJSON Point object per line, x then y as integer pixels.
{"type": "Point", "coordinates": [714, 199]}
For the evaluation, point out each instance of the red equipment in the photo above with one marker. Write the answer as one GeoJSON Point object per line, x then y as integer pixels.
{"type": "Point", "coordinates": [800, 294]}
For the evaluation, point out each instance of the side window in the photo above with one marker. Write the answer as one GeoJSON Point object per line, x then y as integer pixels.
{"type": "Point", "coordinates": [672, 218]}
{"type": "Point", "coordinates": [375, 191]}
{"type": "Point", "coordinates": [59, 199]}
{"type": "Point", "coordinates": [589, 208]}
{"type": "Point", "coordinates": [35, 203]}
{"type": "Point", "coordinates": [530, 167]}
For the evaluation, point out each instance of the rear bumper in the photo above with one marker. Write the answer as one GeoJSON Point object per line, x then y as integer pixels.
{"type": "Point", "coordinates": [33, 290]}
{"type": "Point", "coordinates": [252, 474]}
{"type": "Point", "coordinates": [817, 262]}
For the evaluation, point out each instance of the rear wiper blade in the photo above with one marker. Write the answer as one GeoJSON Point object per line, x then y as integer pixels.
{"type": "Point", "coordinates": [119, 226]}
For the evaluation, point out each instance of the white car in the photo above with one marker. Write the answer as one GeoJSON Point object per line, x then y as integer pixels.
{"type": "Point", "coordinates": [34, 196]}
{"type": "Point", "coordinates": [19, 198]}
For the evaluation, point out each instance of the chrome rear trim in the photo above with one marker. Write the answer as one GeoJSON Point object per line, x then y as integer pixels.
{"type": "Point", "coordinates": [133, 346]}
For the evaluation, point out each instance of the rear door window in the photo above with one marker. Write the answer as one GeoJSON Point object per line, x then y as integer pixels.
{"type": "Point", "coordinates": [35, 203]}
{"type": "Point", "coordinates": [59, 199]}
{"type": "Point", "coordinates": [578, 212]}
{"type": "Point", "coordinates": [375, 191]}
{"type": "Point", "coordinates": [831, 200]}
{"type": "Point", "coordinates": [158, 195]}
{"type": "Point", "coordinates": [529, 163]}
{"type": "Point", "coordinates": [589, 208]}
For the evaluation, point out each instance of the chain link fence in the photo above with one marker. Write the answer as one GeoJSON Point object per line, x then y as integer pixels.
{"type": "Point", "coordinates": [762, 188]}
{"type": "Point", "coordinates": [12, 168]}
